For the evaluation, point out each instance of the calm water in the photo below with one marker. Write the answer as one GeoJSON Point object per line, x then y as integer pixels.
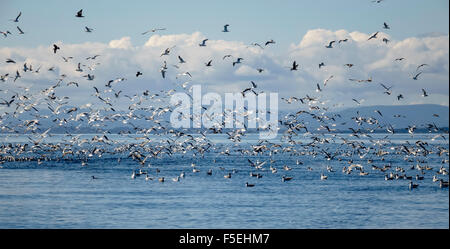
{"type": "Point", "coordinates": [63, 195]}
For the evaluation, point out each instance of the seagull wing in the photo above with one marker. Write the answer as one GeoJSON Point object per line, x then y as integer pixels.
{"type": "Point", "coordinates": [385, 87]}
{"type": "Point", "coordinates": [17, 18]}
{"type": "Point", "coordinates": [318, 88]}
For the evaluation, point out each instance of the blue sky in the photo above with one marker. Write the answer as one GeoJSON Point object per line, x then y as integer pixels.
{"type": "Point", "coordinates": [251, 21]}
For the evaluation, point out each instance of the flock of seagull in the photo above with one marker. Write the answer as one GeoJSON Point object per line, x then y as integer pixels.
{"type": "Point", "coordinates": [360, 151]}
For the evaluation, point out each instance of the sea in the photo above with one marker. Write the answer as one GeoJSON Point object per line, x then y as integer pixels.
{"type": "Point", "coordinates": [63, 194]}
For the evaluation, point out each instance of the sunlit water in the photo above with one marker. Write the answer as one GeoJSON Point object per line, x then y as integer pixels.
{"type": "Point", "coordinates": [63, 194]}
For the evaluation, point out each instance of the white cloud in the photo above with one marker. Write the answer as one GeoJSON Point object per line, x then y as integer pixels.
{"type": "Point", "coordinates": [374, 58]}
{"type": "Point", "coordinates": [123, 43]}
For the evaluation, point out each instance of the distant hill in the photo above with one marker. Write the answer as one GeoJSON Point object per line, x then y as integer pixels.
{"type": "Point", "coordinates": [418, 115]}
{"type": "Point", "coordinates": [399, 116]}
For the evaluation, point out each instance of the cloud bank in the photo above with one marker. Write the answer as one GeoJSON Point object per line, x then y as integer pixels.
{"type": "Point", "coordinates": [372, 59]}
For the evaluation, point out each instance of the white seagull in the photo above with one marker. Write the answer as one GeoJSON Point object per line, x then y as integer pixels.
{"type": "Point", "coordinates": [153, 30]}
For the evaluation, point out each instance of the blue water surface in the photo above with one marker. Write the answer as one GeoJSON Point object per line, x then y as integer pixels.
{"type": "Point", "coordinates": [62, 194]}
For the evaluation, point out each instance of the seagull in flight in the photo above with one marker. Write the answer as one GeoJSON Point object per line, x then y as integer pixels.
{"type": "Point", "coordinates": [17, 75]}
{"type": "Point", "coordinates": [326, 81]}
{"type": "Point", "coordinates": [294, 66]}
{"type": "Point", "coordinates": [321, 65]}
{"type": "Point", "coordinates": [163, 73]}
{"type": "Point", "coordinates": [208, 64]}
{"type": "Point", "coordinates": [373, 36]}
{"type": "Point", "coordinates": [203, 44]}
{"type": "Point", "coordinates": [79, 13]}
{"type": "Point", "coordinates": [421, 66]}
{"type": "Point", "coordinates": [72, 83]}
{"type": "Point", "coordinates": [37, 70]}
{"type": "Point", "coordinates": [318, 88]}
{"type": "Point", "coordinates": [67, 59]}
{"type": "Point", "coordinates": [185, 74]}
{"type": "Point", "coordinates": [152, 30]}
{"type": "Point", "coordinates": [5, 33]}
{"type": "Point", "coordinates": [165, 65]}
{"type": "Point", "coordinates": [79, 68]}
{"type": "Point", "coordinates": [343, 40]}
{"type": "Point", "coordinates": [257, 44]}
{"type": "Point", "coordinates": [17, 18]}
{"type": "Point", "coordinates": [424, 93]}
{"type": "Point", "coordinates": [3, 78]}
{"type": "Point", "coordinates": [357, 102]}
{"type": "Point", "coordinates": [20, 31]}
{"type": "Point", "coordinates": [25, 67]}
{"type": "Point", "coordinates": [400, 96]}
{"type": "Point", "coordinates": [166, 52]}
{"type": "Point", "coordinates": [55, 48]}
{"type": "Point", "coordinates": [7, 103]}
{"type": "Point", "coordinates": [269, 42]}
{"type": "Point", "coordinates": [181, 59]}
{"type": "Point", "coordinates": [386, 26]}
{"type": "Point", "coordinates": [399, 59]}
{"type": "Point", "coordinates": [330, 45]}
{"type": "Point", "coordinates": [89, 76]}
{"type": "Point", "coordinates": [225, 28]}
{"type": "Point", "coordinates": [92, 57]}
{"type": "Point", "coordinates": [417, 75]}
{"type": "Point", "coordinates": [237, 61]}
{"type": "Point", "coordinates": [385, 40]}
{"type": "Point", "coordinates": [89, 30]}
{"type": "Point", "coordinates": [360, 81]}
{"type": "Point", "coordinates": [388, 92]}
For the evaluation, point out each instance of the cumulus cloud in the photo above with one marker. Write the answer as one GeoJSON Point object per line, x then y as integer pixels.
{"type": "Point", "coordinates": [123, 43]}
{"type": "Point", "coordinates": [375, 59]}
{"type": "Point", "coordinates": [371, 59]}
